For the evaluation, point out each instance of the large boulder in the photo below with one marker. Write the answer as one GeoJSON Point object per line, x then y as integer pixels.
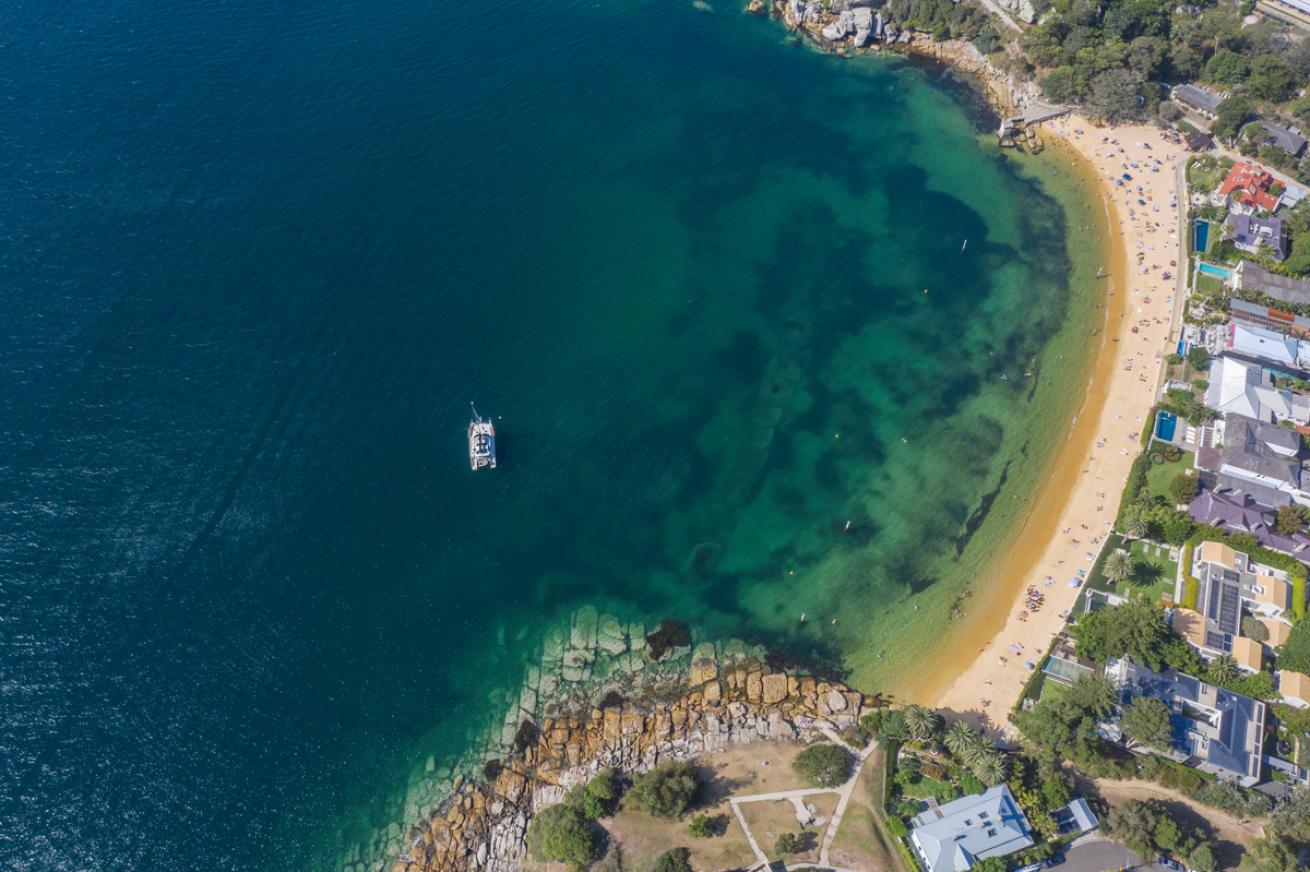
{"type": "Point", "coordinates": [863, 19]}
{"type": "Point", "coordinates": [843, 27]}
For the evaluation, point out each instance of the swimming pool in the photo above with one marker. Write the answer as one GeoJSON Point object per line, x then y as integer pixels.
{"type": "Point", "coordinates": [1216, 271]}
{"type": "Point", "coordinates": [1200, 235]}
{"type": "Point", "coordinates": [1165, 425]}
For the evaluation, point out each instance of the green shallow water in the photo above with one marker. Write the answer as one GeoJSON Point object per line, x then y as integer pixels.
{"type": "Point", "coordinates": [266, 609]}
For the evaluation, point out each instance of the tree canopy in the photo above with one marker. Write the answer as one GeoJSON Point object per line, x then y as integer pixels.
{"type": "Point", "coordinates": [1146, 720]}
{"type": "Point", "coordinates": [666, 791]}
{"type": "Point", "coordinates": [823, 765]}
{"type": "Point", "coordinates": [560, 834]}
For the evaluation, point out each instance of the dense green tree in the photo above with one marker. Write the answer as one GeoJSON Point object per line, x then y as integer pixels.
{"type": "Point", "coordinates": [701, 827]}
{"type": "Point", "coordinates": [892, 728]}
{"type": "Point", "coordinates": [1183, 488]}
{"type": "Point", "coordinates": [823, 765]}
{"type": "Point", "coordinates": [1288, 521]}
{"type": "Point", "coordinates": [675, 860]}
{"type": "Point", "coordinates": [1270, 854]}
{"type": "Point", "coordinates": [1060, 85]}
{"type": "Point", "coordinates": [1044, 47]}
{"type": "Point", "coordinates": [1270, 78]}
{"type": "Point", "coordinates": [1145, 54]}
{"type": "Point", "coordinates": [1094, 693]}
{"type": "Point", "coordinates": [1226, 67]}
{"type": "Point", "coordinates": [1134, 823]}
{"type": "Point", "coordinates": [1168, 835]}
{"type": "Point", "coordinates": [785, 845]}
{"type": "Point", "coordinates": [1146, 720]}
{"type": "Point", "coordinates": [1113, 95]}
{"type": "Point", "coordinates": [1291, 818]}
{"type": "Point", "coordinates": [560, 834]}
{"type": "Point", "coordinates": [1232, 113]}
{"type": "Point", "coordinates": [1201, 859]}
{"type": "Point", "coordinates": [666, 791]}
{"type": "Point", "coordinates": [1136, 628]}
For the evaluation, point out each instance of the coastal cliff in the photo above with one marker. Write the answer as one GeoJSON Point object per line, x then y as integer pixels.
{"type": "Point", "coordinates": [718, 698]}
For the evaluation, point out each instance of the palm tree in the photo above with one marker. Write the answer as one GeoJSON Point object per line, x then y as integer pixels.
{"type": "Point", "coordinates": [991, 768]}
{"type": "Point", "coordinates": [1136, 526]}
{"type": "Point", "coordinates": [1119, 566]}
{"type": "Point", "coordinates": [965, 743]}
{"type": "Point", "coordinates": [1221, 670]}
{"type": "Point", "coordinates": [920, 721]}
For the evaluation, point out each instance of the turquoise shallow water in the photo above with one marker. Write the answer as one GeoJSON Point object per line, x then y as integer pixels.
{"type": "Point", "coordinates": [260, 257]}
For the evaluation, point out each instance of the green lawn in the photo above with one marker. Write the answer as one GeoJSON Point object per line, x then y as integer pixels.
{"type": "Point", "coordinates": [1210, 287]}
{"type": "Point", "coordinates": [1054, 690]}
{"type": "Point", "coordinates": [1159, 475]}
{"type": "Point", "coordinates": [1155, 573]}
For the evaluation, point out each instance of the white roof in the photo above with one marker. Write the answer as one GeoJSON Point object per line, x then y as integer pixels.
{"type": "Point", "coordinates": [952, 837]}
{"type": "Point", "coordinates": [1264, 344]}
{"type": "Point", "coordinates": [1246, 389]}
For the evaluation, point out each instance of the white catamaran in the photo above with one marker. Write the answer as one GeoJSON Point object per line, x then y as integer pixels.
{"type": "Point", "coordinates": [482, 442]}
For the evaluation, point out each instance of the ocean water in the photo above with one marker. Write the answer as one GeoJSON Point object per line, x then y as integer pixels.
{"type": "Point", "coordinates": [258, 258]}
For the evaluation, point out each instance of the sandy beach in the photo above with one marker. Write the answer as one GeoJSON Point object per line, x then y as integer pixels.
{"type": "Point", "coordinates": [1075, 506]}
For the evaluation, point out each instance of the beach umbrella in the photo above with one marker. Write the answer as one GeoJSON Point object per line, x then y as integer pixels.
{"type": "Point", "coordinates": [1074, 582]}
{"type": "Point", "coordinates": [1028, 664]}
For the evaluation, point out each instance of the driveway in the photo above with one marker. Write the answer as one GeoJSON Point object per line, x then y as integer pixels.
{"type": "Point", "coordinates": [1097, 854]}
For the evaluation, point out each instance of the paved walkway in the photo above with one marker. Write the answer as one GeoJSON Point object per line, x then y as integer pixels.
{"type": "Point", "coordinates": [843, 797]}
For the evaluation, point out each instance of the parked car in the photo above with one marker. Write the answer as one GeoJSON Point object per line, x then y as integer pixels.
{"type": "Point", "coordinates": [1054, 860]}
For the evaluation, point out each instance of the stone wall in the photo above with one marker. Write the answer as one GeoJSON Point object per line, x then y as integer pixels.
{"type": "Point", "coordinates": [725, 699]}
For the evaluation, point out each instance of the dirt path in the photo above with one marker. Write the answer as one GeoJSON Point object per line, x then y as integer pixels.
{"type": "Point", "coordinates": [1227, 826]}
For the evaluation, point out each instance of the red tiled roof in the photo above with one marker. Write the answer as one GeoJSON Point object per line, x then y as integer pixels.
{"type": "Point", "coordinates": [1250, 184]}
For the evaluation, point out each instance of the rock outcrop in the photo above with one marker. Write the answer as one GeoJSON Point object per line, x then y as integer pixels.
{"type": "Point", "coordinates": [725, 699]}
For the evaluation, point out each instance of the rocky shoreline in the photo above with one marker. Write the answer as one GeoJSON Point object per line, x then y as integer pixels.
{"type": "Point", "coordinates": [677, 704]}
{"type": "Point", "coordinates": [852, 27]}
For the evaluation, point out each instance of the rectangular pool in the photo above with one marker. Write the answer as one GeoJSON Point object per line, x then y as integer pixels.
{"type": "Point", "coordinates": [1201, 235]}
{"type": "Point", "coordinates": [1216, 271]}
{"type": "Point", "coordinates": [1166, 423]}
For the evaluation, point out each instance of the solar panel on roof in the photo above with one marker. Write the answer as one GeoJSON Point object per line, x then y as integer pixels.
{"type": "Point", "coordinates": [1218, 641]}
{"type": "Point", "coordinates": [1229, 609]}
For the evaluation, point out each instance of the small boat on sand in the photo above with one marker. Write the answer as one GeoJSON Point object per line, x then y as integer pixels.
{"type": "Point", "coordinates": [482, 442]}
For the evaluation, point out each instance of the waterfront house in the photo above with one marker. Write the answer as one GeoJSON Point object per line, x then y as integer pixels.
{"type": "Point", "coordinates": [1240, 387]}
{"type": "Point", "coordinates": [1254, 279]}
{"type": "Point", "coordinates": [1294, 688]}
{"type": "Point", "coordinates": [1196, 99]}
{"type": "Point", "coordinates": [1289, 140]}
{"type": "Point", "coordinates": [1251, 233]}
{"type": "Point", "coordinates": [1214, 730]}
{"type": "Point", "coordinates": [954, 836]}
{"type": "Point", "coordinates": [1238, 511]}
{"type": "Point", "coordinates": [1262, 459]}
{"type": "Point", "coordinates": [1230, 585]}
{"type": "Point", "coordinates": [1266, 346]}
{"type": "Point", "coordinates": [1248, 188]}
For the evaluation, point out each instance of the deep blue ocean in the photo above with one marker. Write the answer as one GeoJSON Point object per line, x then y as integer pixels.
{"type": "Point", "coordinates": [256, 259]}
